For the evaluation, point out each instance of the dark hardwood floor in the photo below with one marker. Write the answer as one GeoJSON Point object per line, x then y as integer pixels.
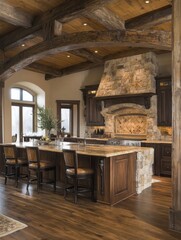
{"type": "Point", "coordinates": [50, 217]}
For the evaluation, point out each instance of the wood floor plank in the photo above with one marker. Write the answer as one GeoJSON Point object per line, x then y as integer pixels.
{"type": "Point", "coordinates": [50, 217]}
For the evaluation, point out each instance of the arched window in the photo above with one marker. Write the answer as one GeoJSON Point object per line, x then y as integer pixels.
{"type": "Point", "coordinates": [23, 112]}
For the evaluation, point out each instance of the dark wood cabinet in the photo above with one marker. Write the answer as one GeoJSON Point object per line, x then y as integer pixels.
{"type": "Point", "coordinates": [92, 106]}
{"type": "Point", "coordinates": [164, 101]}
{"type": "Point", "coordinates": [162, 158]}
{"type": "Point", "coordinates": [165, 159]}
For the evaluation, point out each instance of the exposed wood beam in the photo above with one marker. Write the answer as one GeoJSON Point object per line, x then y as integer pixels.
{"type": "Point", "coordinates": [70, 9]}
{"type": "Point", "coordinates": [14, 16]}
{"type": "Point", "coordinates": [150, 19]}
{"type": "Point", "coordinates": [88, 55]}
{"type": "Point", "coordinates": [57, 28]}
{"type": "Point", "coordinates": [65, 12]}
{"type": "Point", "coordinates": [73, 69]}
{"type": "Point", "coordinates": [51, 29]}
{"type": "Point", "coordinates": [128, 53]}
{"type": "Point", "coordinates": [155, 39]}
{"type": "Point", "coordinates": [44, 69]}
{"type": "Point", "coordinates": [107, 18]}
{"type": "Point", "coordinates": [19, 36]}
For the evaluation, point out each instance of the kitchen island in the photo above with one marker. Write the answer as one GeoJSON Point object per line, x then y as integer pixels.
{"type": "Point", "coordinates": [121, 171]}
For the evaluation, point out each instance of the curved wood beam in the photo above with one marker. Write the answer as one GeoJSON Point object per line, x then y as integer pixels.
{"type": "Point", "coordinates": [155, 39]}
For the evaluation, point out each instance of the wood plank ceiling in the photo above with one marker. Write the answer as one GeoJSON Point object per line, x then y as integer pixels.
{"type": "Point", "coordinates": [59, 37]}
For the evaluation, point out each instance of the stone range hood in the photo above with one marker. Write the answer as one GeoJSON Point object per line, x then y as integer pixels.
{"type": "Point", "coordinates": [128, 76]}
{"type": "Point", "coordinates": [126, 90]}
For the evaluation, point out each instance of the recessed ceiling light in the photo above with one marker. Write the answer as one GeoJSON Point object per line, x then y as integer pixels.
{"type": "Point", "coordinates": [68, 56]}
{"type": "Point", "coordinates": [85, 24]}
{"type": "Point", "coordinates": [23, 45]}
{"type": "Point", "coordinates": [147, 1]}
{"type": "Point", "coordinates": [96, 51]}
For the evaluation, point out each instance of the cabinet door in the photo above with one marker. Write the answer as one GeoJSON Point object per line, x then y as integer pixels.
{"type": "Point", "coordinates": [164, 102]}
{"type": "Point", "coordinates": [93, 106]}
{"type": "Point", "coordinates": [165, 159]}
{"type": "Point", "coordinates": [93, 111]}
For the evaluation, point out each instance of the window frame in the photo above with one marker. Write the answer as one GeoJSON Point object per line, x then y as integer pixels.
{"type": "Point", "coordinates": [22, 103]}
{"type": "Point", "coordinates": [69, 104]}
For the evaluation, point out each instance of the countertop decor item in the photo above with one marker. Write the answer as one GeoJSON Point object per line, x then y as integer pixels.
{"type": "Point", "coordinates": [46, 120]}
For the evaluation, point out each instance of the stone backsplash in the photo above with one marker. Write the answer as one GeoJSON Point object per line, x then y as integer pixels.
{"type": "Point", "coordinates": [129, 120]}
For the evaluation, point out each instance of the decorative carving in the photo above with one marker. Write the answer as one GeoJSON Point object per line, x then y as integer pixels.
{"type": "Point", "coordinates": [131, 124]}
{"type": "Point", "coordinates": [101, 167]}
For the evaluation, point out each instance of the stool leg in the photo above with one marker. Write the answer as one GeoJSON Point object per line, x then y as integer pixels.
{"type": "Point", "coordinates": [38, 180]}
{"type": "Point", "coordinates": [65, 188]}
{"type": "Point", "coordinates": [55, 179]}
{"type": "Point", "coordinates": [6, 172]}
{"type": "Point", "coordinates": [92, 188]}
{"type": "Point", "coordinates": [16, 175]}
{"type": "Point", "coordinates": [75, 190]}
{"type": "Point", "coordinates": [28, 180]}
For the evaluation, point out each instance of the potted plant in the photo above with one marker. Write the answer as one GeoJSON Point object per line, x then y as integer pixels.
{"type": "Point", "coordinates": [46, 120]}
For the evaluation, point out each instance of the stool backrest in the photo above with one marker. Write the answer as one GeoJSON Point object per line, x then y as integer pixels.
{"type": "Point", "coordinates": [10, 152]}
{"type": "Point", "coordinates": [33, 155]}
{"type": "Point", "coordinates": [70, 159]}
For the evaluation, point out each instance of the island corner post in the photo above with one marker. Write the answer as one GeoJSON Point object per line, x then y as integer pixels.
{"type": "Point", "coordinates": [175, 210]}
{"type": "Point", "coordinates": [1, 111]}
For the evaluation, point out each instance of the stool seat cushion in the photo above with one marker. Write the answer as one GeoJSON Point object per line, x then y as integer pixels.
{"type": "Point", "coordinates": [19, 161]}
{"type": "Point", "coordinates": [43, 165]}
{"type": "Point", "coordinates": [80, 171]}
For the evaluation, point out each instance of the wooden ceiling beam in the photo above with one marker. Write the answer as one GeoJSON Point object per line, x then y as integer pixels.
{"type": "Point", "coordinates": [19, 36]}
{"type": "Point", "coordinates": [14, 16]}
{"type": "Point", "coordinates": [150, 19]}
{"type": "Point", "coordinates": [87, 55]}
{"type": "Point", "coordinates": [37, 67]}
{"type": "Point", "coordinates": [145, 39]}
{"type": "Point", "coordinates": [128, 53]}
{"type": "Point", "coordinates": [73, 69]}
{"type": "Point", "coordinates": [107, 18]}
{"type": "Point", "coordinates": [68, 10]}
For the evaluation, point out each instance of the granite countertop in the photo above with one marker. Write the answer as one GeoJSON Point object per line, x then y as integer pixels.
{"type": "Point", "coordinates": [92, 150]}
{"type": "Point", "coordinates": [157, 141]}
{"type": "Point", "coordinates": [143, 141]}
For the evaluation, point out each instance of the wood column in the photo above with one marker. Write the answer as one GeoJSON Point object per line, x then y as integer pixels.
{"type": "Point", "coordinates": [1, 111]}
{"type": "Point", "coordinates": [175, 210]}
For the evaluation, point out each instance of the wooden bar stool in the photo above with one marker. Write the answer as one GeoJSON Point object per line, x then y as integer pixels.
{"type": "Point", "coordinates": [13, 163]}
{"type": "Point", "coordinates": [39, 166]}
{"type": "Point", "coordinates": [73, 172]}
